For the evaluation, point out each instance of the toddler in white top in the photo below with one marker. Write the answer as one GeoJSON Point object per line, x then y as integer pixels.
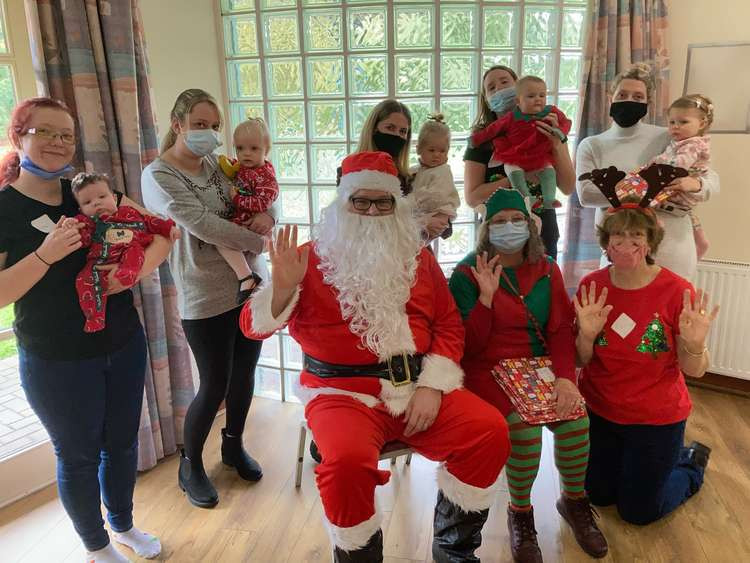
{"type": "Point", "coordinates": [435, 195]}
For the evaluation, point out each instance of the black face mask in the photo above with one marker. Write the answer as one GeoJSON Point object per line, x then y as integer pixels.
{"type": "Point", "coordinates": [627, 114]}
{"type": "Point", "coordinates": [392, 144]}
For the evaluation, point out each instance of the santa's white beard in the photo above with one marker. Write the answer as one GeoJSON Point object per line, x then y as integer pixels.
{"type": "Point", "coordinates": [371, 261]}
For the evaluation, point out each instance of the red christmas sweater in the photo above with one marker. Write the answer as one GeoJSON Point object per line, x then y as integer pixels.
{"type": "Point", "coordinates": [314, 318]}
{"type": "Point", "coordinates": [505, 331]}
{"type": "Point", "coordinates": [516, 140]}
{"type": "Point", "coordinates": [634, 376]}
{"type": "Point", "coordinates": [257, 189]}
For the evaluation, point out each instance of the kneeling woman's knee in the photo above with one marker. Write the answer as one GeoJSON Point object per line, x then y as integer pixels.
{"type": "Point", "coordinates": [639, 515]}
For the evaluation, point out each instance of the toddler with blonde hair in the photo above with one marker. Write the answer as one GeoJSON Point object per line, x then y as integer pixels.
{"type": "Point", "coordinates": [435, 195]}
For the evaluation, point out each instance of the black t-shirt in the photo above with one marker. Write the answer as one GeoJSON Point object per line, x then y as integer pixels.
{"type": "Point", "coordinates": [550, 231]}
{"type": "Point", "coordinates": [49, 322]}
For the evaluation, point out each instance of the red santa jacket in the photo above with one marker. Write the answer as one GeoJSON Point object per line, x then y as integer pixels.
{"type": "Point", "coordinates": [315, 321]}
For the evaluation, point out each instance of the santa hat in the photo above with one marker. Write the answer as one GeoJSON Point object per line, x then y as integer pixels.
{"type": "Point", "coordinates": [369, 171]}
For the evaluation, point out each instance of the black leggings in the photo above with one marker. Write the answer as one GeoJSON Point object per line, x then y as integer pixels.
{"type": "Point", "coordinates": [550, 232]}
{"type": "Point", "coordinates": [226, 365]}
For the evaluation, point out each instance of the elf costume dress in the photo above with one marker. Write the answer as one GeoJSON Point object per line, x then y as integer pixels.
{"type": "Point", "coordinates": [520, 146]}
{"type": "Point", "coordinates": [119, 238]}
{"type": "Point", "coordinates": [352, 411]}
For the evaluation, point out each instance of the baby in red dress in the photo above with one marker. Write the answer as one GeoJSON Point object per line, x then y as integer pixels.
{"type": "Point", "coordinates": [519, 145]}
{"type": "Point", "coordinates": [255, 189]}
{"type": "Point", "coordinates": [113, 235]}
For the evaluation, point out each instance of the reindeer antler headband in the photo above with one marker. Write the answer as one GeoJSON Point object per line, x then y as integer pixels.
{"type": "Point", "coordinates": [616, 184]}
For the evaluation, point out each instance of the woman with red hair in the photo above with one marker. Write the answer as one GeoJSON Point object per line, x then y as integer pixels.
{"type": "Point", "coordinates": [86, 388]}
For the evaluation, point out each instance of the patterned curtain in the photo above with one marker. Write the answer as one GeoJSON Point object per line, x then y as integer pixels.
{"type": "Point", "coordinates": [620, 32]}
{"type": "Point", "coordinates": [92, 55]}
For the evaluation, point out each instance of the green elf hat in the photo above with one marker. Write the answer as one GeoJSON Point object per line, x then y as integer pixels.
{"type": "Point", "coordinates": [503, 198]}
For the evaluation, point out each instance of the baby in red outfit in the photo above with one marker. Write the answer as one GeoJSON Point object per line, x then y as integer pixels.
{"type": "Point", "coordinates": [113, 235]}
{"type": "Point", "coordinates": [255, 189]}
{"type": "Point", "coordinates": [520, 146]}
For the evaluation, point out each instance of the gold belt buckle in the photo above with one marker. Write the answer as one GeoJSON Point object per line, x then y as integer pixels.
{"type": "Point", "coordinates": [405, 359]}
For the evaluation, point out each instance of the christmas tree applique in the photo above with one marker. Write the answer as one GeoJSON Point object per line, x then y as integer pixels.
{"type": "Point", "coordinates": [601, 340]}
{"type": "Point", "coordinates": [654, 340]}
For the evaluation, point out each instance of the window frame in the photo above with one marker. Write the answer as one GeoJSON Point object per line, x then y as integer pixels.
{"type": "Point", "coordinates": [468, 220]}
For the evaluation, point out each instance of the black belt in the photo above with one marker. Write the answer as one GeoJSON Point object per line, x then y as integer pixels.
{"type": "Point", "coordinates": [399, 370]}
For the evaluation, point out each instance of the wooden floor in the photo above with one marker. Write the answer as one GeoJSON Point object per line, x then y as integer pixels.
{"type": "Point", "coordinates": [272, 521]}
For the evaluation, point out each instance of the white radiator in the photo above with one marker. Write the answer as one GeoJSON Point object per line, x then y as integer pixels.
{"type": "Point", "coordinates": [728, 284]}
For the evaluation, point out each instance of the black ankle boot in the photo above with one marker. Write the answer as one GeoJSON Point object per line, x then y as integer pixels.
{"type": "Point", "coordinates": [698, 453]}
{"type": "Point", "coordinates": [457, 533]}
{"type": "Point", "coordinates": [315, 452]}
{"type": "Point", "coordinates": [244, 294]}
{"type": "Point", "coordinates": [234, 455]}
{"type": "Point", "coordinates": [370, 553]}
{"type": "Point", "coordinates": [193, 480]}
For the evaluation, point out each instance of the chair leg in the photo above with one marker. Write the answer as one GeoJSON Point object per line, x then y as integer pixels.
{"type": "Point", "coordinates": [393, 460]}
{"type": "Point", "coordinates": [408, 459]}
{"type": "Point", "coordinates": [300, 455]}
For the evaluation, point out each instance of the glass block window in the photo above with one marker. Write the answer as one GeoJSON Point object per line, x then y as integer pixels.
{"type": "Point", "coordinates": [315, 68]}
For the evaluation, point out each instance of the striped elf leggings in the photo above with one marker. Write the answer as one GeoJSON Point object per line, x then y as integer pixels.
{"type": "Point", "coordinates": [571, 457]}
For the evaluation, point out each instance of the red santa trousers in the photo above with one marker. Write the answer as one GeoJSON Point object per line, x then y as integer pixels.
{"type": "Point", "coordinates": [469, 436]}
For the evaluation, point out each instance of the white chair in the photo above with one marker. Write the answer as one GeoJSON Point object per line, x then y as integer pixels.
{"type": "Point", "coordinates": [391, 450]}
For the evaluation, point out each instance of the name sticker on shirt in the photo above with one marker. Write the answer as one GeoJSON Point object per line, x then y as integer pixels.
{"type": "Point", "coordinates": [43, 223]}
{"type": "Point", "coordinates": [546, 374]}
{"type": "Point", "coordinates": [623, 325]}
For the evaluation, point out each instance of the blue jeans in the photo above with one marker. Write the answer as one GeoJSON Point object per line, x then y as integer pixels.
{"type": "Point", "coordinates": [91, 410]}
{"type": "Point", "coordinates": [641, 468]}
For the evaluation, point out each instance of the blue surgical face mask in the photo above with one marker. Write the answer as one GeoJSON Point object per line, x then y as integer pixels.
{"type": "Point", "coordinates": [202, 142]}
{"type": "Point", "coordinates": [503, 100]}
{"type": "Point", "coordinates": [29, 166]}
{"type": "Point", "coordinates": [509, 237]}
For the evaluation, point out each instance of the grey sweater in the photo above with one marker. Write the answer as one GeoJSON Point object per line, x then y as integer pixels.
{"type": "Point", "coordinates": [201, 206]}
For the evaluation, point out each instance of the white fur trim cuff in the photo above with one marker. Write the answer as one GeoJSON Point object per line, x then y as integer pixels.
{"type": "Point", "coordinates": [466, 497]}
{"type": "Point", "coordinates": [263, 321]}
{"type": "Point", "coordinates": [370, 180]}
{"type": "Point", "coordinates": [395, 399]}
{"type": "Point", "coordinates": [441, 373]}
{"type": "Point", "coordinates": [354, 537]}
{"type": "Point", "coordinates": [307, 394]}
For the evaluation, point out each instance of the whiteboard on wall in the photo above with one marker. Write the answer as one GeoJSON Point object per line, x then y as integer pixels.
{"type": "Point", "coordinates": [721, 71]}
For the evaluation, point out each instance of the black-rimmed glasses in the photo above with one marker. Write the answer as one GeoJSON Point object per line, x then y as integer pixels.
{"type": "Point", "coordinates": [382, 204]}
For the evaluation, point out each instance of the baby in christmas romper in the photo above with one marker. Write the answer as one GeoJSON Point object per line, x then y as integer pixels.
{"type": "Point", "coordinates": [113, 235]}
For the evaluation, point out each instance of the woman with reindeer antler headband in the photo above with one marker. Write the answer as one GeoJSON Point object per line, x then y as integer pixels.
{"type": "Point", "coordinates": [641, 330]}
{"type": "Point", "coordinates": [629, 144]}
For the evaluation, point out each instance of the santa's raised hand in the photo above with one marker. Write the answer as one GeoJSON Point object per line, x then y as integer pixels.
{"type": "Point", "coordinates": [289, 265]}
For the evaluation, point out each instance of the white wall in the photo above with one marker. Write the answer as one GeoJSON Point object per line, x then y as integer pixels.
{"type": "Point", "coordinates": [727, 217]}
{"type": "Point", "coordinates": [183, 50]}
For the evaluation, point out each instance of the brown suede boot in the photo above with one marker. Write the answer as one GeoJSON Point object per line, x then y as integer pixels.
{"type": "Point", "coordinates": [523, 543]}
{"type": "Point", "coordinates": [579, 514]}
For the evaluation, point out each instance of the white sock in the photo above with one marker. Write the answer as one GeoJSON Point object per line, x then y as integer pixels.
{"type": "Point", "coordinates": [145, 545]}
{"type": "Point", "coordinates": [106, 554]}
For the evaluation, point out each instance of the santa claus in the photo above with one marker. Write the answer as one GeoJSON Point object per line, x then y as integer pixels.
{"type": "Point", "coordinates": [382, 340]}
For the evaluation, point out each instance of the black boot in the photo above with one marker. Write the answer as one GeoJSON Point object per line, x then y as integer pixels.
{"type": "Point", "coordinates": [244, 294]}
{"type": "Point", "coordinates": [457, 533]}
{"type": "Point", "coordinates": [315, 452]}
{"type": "Point", "coordinates": [370, 553]}
{"type": "Point", "coordinates": [698, 453]}
{"type": "Point", "coordinates": [193, 480]}
{"type": "Point", "coordinates": [234, 455]}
